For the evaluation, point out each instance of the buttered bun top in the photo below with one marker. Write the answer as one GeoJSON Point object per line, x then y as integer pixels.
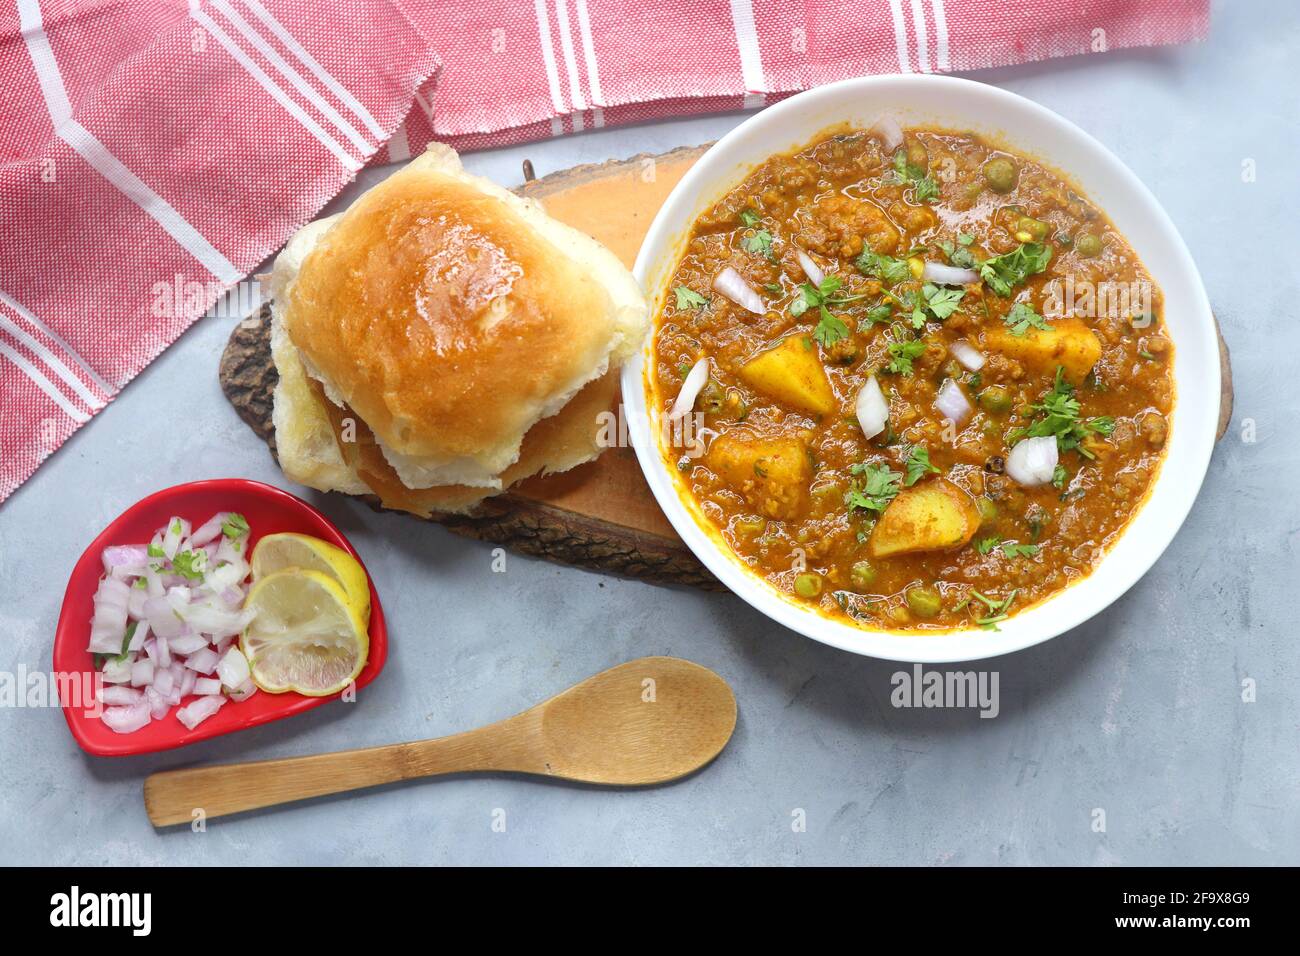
{"type": "Point", "coordinates": [452, 315]}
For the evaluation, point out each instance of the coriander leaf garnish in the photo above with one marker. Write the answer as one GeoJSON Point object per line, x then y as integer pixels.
{"type": "Point", "coordinates": [985, 545]}
{"type": "Point", "coordinates": [155, 551]}
{"type": "Point", "coordinates": [924, 187]}
{"type": "Point", "coordinates": [1013, 549]}
{"type": "Point", "coordinates": [689, 299]}
{"type": "Point", "coordinates": [235, 525]}
{"type": "Point", "coordinates": [918, 465]}
{"type": "Point", "coordinates": [878, 488]}
{"type": "Point", "coordinates": [876, 315]}
{"type": "Point", "coordinates": [748, 217]}
{"type": "Point", "coordinates": [1058, 414]}
{"type": "Point", "coordinates": [829, 329]}
{"type": "Point", "coordinates": [190, 564]}
{"type": "Point", "coordinates": [1022, 317]}
{"type": "Point", "coordinates": [1012, 268]}
{"type": "Point", "coordinates": [903, 354]}
{"type": "Point", "coordinates": [760, 243]}
{"type": "Point", "coordinates": [888, 270]}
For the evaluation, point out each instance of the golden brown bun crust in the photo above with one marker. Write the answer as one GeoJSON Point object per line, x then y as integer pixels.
{"type": "Point", "coordinates": [443, 319]}
{"type": "Point", "coordinates": [558, 443]}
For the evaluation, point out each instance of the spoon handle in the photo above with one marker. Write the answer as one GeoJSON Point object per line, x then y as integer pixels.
{"type": "Point", "coordinates": [181, 796]}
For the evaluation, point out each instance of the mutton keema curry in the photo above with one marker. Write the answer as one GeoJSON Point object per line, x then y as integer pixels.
{"type": "Point", "coordinates": [932, 380]}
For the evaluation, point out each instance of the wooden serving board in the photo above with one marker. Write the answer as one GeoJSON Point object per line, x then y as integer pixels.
{"type": "Point", "coordinates": [601, 515]}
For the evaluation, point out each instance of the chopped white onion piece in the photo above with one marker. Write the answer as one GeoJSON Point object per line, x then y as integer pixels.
{"type": "Point", "coordinates": [126, 720]}
{"type": "Point", "coordinates": [244, 691]}
{"type": "Point", "coordinates": [730, 283]}
{"type": "Point", "coordinates": [142, 673]}
{"type": "Point", "coordinates": [164, 682]}
{"type": "Point", "coordinates": [233, 668]}
{"type": "Point", "coordinates": [205, 686]}
{"type": "Point", "coordinates": [952, 402]}
{"type": "Point", "coordinates": [116, 696]}
{"type": "Point", "coordinates": [203, 661]}
{"type": "Point", "coordinates": [177, 531]}
{"type": "Point", "coordinates": [810, 268]}
{"type": "Point", "coordinates": [969, 356]}
{"type": "Point", "coordinates": [890, 133]}
{"type": "Point", "coordinates": [188, 680]}
{"type": "Point", "coordinates": [1033, 461]}
{"type": "Point", "coordinates": [199, 710]}
{"type": "Point", "coordinates": [125, 560]}
{"type": "Point", "coordinates": [872, 409]}
{"type": "Point", "coordinates": [208, 530]}
{"type": "Point", "coordinates": [696, 379]}
{"type": "Point", "coordinates": [117, 672]}
{"type": "Point", "coordinates": [941, 274]}
{"type": "Point", "coordinates": [158, 703]}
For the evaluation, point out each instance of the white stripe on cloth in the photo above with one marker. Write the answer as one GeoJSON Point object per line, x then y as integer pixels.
{"type": "Point", "coordinates": [157, 208]}
{"type": "Point", "coordinates": [751, 60]}
{"type": "Point", "coordinates": [44, 384]}
{"type": "Point", "coordinates": [900, 36]}
{"type": "Point", "coordinates": [922, 37]}
{"type": "Point", "coordinates": [28, 316]}
{"type": "Point", "coordinates": [280, 96]}
{"type": "Point", "coordinates": [105, 163]}
{"type": "Point", "coordinates": [570, 58]}
{"type": "Point", "coordinates": [399, 145]}
{"type": "Point", "coordinates": [548, 58]}
{"type": "Point", "coordinates": [302, 86]}
{"type": "Point", "coordinates": [52, 361]}
{"type": "Point", "coordinates": [306, 59]}
{"type": "Point", "coordinates": [47, 68]}
{"type": "Point", "coordinates": [940, 34]}
{"type": "Point", "coordinates": [589, 54]}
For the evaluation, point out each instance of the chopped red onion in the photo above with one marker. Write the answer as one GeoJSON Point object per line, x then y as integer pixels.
{"type": "Point", "coordinates": [730, 283]}
{"type": "Point", "coordinates": [1033, 461]}
{"type": "Point", "coordinates": [695, 380]}
{"type": "Point", "coordinates": [941, 274]}
{"type": "Point", "coordinates": [810, 268]}
{"type": "Point", "coordinates": [890, 133]}
{"type": "Point", "coordinates": [872, 408]}
{"type": "Point", "coordinates": [970, 357]}
{"type": "Point", "coordinates": [952, 402]}
{"type": "Point", "coordinates": [117, 696]}
{"type": "Point", "coordinates": [128, 719]}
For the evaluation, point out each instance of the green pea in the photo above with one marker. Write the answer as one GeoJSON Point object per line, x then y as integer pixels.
{"type": "Point", "coordinates": [1088, 245]}
{"type": "Point", "coordinates": [1035, 229]}
{"type": "Point", "coordinates": [923, 602]}
{"type": "Point", "coordinates": [988, 511]}
{"type": "Point", "coordinates": [995, 399]}
{"type": "Point", "coordinates": [1000, 174]}
{"type": "Point", "coordinates": [862, 575]}
{"type": "Point", "coordinates": [712, 397]}
{"type": "Point", "coordinates": [808, 584]}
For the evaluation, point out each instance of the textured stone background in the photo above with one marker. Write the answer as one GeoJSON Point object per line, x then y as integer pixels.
{"type": "Point", "coordinates": [1138, 712]}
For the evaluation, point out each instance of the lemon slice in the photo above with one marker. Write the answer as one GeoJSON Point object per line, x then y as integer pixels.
{"type": "Point", "coordinates": [305, 635]}
{"type": "Point", "coordinates": [280, 552]}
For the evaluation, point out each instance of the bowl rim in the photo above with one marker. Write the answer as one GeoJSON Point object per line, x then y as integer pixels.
{"type": "Point", "coordinates": [723, 165]}
{"type": "Point", "coordinates": [87, 571]}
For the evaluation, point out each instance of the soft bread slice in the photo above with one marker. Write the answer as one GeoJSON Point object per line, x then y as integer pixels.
{"type": "Point", "coordinates": [572, 436]}
{"type": "Point", "coordinates": [452, 316]}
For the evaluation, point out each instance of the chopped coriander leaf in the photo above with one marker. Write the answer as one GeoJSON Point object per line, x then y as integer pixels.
{"type": "Point", "coordinates": [965, 238]}
{"type": "Point", "coordinates": [1022, 317]}
{"type": "Point", "coordinates": [689, 299]}
{"type": "Point", "coordinates": [941, 303]}
{"type": "Point", "coordinates": [829, 329]}
{"type": "Point", "coordinates": [189, 564]}
{"type": "Point", "coordinates": [985, 545]}
{"type": "Point", "coordinates": [918, 465]}
{"type": "Point", "coordinates": [774, 288]}
{"type": "Point", "coordinates": [126, 641]}
{"type": "Point", "coordinates": [748, 217]}
{"type": "Point", "coordinates": [1102, 425]}
{"type": "Point", "coordinates": [1014, 550]}
{"type": "Point", "coordinates": [235, 525]}
{"type": "Point", "coordinates": [155, 551]}
{"type": "Point", "coordinates": [1010, 269]}
{"type": "Point", "coordinates": [888, 270]}
{"type": "Point", "coordinates": [760, 243]}
{"type": "Point", "coordinates": [926, 190]}
{"type": "Point", "coordinates": [876, 315]}
{"type": "Point", "coordinates": [1058, 476]}
{"type": "Point", "coordinates": [959, 255]}
{"type": "Point", "coordinates": [878, 488]}
{"type": "Point", "coordinates": [903, 354]}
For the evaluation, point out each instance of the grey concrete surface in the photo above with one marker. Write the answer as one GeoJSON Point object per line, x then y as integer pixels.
{"type": "Point", "coordinates": [1138, 713]}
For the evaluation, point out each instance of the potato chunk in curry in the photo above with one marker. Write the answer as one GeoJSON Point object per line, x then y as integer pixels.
{"type": "Point", "coordinates": [791, 372]}
{"type": "Point", "coordinates": [771, 473]}
{"type": "Point", "coordinates": [1069, 343]}
{"type": "Point", "coordinates": [933, 516]}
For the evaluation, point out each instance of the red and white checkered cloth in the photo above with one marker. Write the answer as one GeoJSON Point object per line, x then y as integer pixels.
{"type": "Point", "coordinates": [154, 152]}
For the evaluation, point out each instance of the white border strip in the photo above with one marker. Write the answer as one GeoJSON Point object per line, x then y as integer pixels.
{"type": "Point", "coordinates": [589, 54]}
{"type": "Point", "coordinates": [922, 37]}
{"type": "Point", "coordinates": [54, 363]}
{"type": "Point", "coordinates": [900, 36]}
{"type": "Point", "coordinates": [47, 68]}
{"type": "Point", "coordinates": [570, 58]}
{"type": "Point", "coordinates": [306, 59]}
{"type": "Point", "coordinates": [44, 384]}
{"type": "Point", "coordinates": [940, 34]}
{"type": "Point", "coordinates": [304, 88]}
{"type": "Point", "coordinates": [27, 315]}
{"type": "Point", "coordinates": [548, 57]}
{"type": "Point", "coordinates": [751, 59]}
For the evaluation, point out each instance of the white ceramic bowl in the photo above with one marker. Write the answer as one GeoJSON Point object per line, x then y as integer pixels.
{"type": "Point", "coordinates": [1031, 129]}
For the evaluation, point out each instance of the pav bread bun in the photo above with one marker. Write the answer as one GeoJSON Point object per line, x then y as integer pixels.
{"type": "Point", "coordinates": [452, 316]}
{"type": "Point", "coordinates": [444, 339]}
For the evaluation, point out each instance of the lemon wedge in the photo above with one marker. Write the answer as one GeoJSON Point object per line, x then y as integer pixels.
{"type": "Point", "coordinates": [306, 634]}
{"type": "Point", "coordinates": [280, 552]}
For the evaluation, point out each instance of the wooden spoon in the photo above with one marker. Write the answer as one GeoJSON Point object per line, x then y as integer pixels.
{"type": "Point", "coordinates": [647, 721]}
